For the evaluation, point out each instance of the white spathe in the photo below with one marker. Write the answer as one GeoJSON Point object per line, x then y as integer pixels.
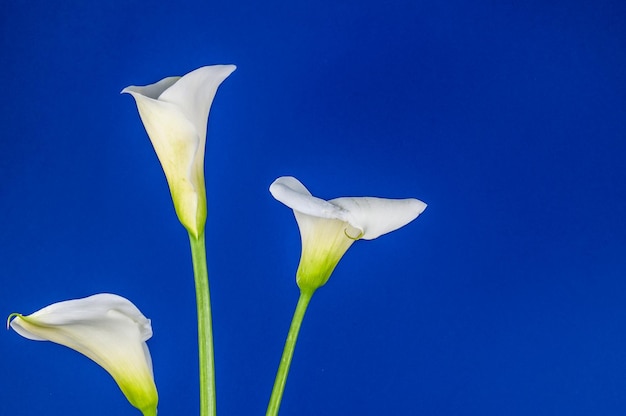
{"type": "Point", "coordinates": [328, 228]}
{"type": "Point", "coordinates": [174, 112]}
{"type": "Point", "coordinates": [107, 328]}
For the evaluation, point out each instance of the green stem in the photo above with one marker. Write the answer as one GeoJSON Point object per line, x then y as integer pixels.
{"type": "Point", "coordinates": [290, 345]}
{"type": "Point", "coordinates": [205, 327]}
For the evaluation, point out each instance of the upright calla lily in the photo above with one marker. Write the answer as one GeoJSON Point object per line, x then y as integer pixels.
{"type": "Point", "coordinates": [107, 328]}
{"type": "Point", "coordinates": [174, 112]}
{"type": "Point", "coordinates": [328, 228]}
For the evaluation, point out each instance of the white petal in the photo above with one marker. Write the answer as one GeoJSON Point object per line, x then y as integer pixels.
{"type": "Point", "coordinates": [90, 309]}
{"type": "Point", "coordinates": [294, 194]}
{"type": "Point", "coordinates": [193, 94]}
{"type": "Point", "coordinates": [373, 216]}
{"type": "Point", "coordinates": [378, 216]}
{"type": "Point", "coordinates": [153, 90]}
{"type": "Point", "coordinates": [174, 137]}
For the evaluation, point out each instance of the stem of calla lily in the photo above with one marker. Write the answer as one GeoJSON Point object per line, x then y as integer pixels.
{"type": "Point", "coordinates": [290, 345]}
{"type": "Point", "coordinates": [205, 326]}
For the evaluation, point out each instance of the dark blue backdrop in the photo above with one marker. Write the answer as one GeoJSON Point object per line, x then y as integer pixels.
{"type": "Point", "coordinates": [506, 297]}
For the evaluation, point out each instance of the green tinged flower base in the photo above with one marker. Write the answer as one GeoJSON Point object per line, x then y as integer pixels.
{"type": "Point", "coordinates": [290, 345]}
{"type": "Point", "coordinates": [149, 411]}
{"type": "Point", "coordinates": [205, 326]}
{"type": "Point", "coordinates": [324, 242]}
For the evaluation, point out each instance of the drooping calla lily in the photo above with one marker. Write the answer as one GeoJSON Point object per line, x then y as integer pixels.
{"type": "Point", "coordinates": [174, 112]}
{"type": "Point", "coordinates": [107, 328]}
{"type": "Point", "coordinates": [328, 228]}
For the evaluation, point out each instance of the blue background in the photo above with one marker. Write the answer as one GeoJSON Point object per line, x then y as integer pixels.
{"type": "Point", "coordinates": [506, 297]}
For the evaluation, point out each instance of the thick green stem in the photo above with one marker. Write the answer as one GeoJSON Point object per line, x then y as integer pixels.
{"type": "Point", "coordinates": [205, 327]}
{"type": "Point", "coordinates": [290, 345]}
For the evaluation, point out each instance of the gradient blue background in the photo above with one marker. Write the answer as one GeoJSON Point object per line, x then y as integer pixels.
{"type": "Point", "coordinates": [506, 297]}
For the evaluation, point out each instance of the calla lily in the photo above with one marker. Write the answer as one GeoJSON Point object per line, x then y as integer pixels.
{"type": "Point", "coordinates": [174, 112]}
{"type": "Point", "coordinates": [328, 228]}
{"type": "Point", "coordinates": [107, 328]}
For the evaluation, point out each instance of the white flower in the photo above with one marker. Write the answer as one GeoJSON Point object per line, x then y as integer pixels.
{"type": "Point", "coordinates": [174, 112]}
{"type": "Point", "coordinates": [107, 328]}
{"type": "Point", "coordinates": [328, 228]}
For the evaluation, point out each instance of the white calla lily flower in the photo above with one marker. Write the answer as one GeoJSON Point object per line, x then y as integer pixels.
{"type": "Point", "coordinates": [174, 112]}
{"type": "Point", "coordinates": [107, 328]}
{"type": "Point", "coordinates": [328, 228]}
